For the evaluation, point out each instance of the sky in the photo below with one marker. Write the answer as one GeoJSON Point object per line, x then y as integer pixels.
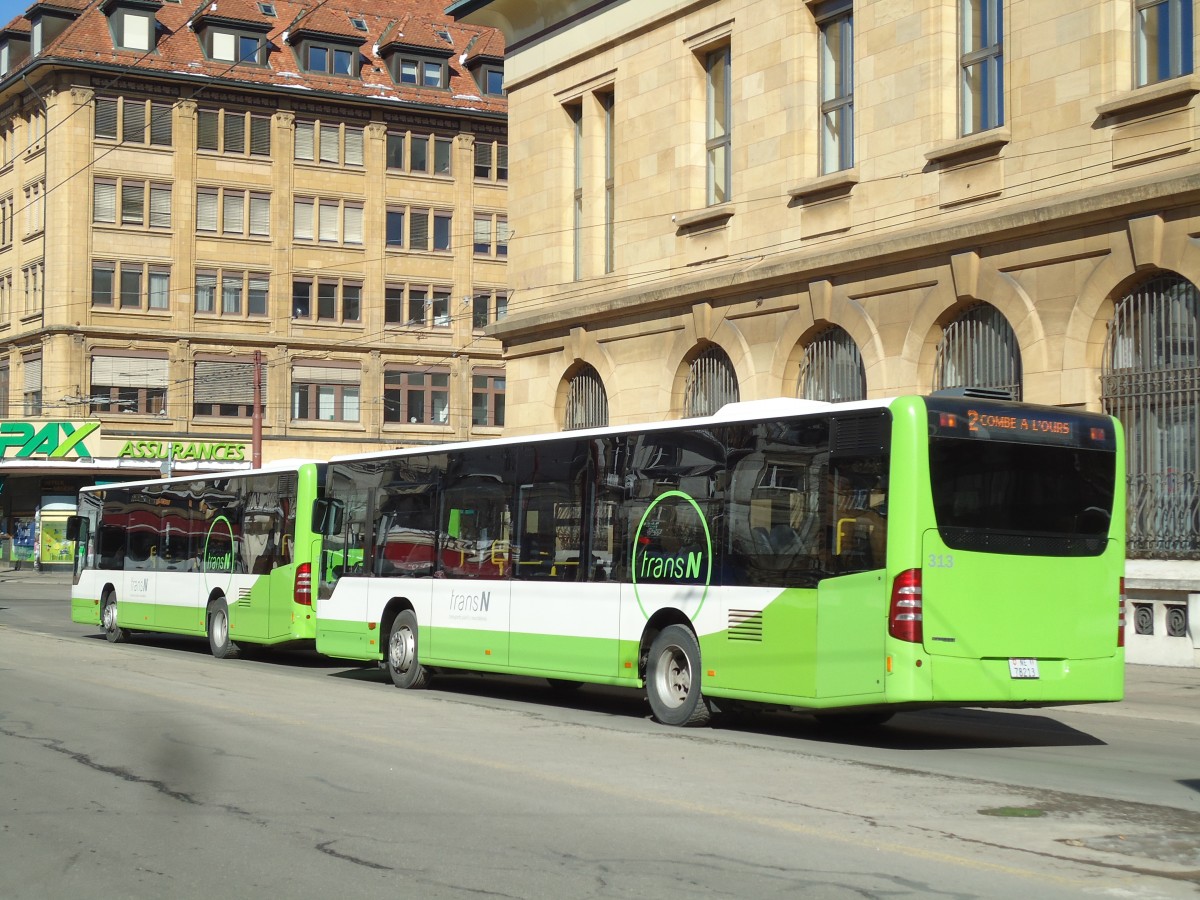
{"type": "Point", "coordinates": [10, 9]}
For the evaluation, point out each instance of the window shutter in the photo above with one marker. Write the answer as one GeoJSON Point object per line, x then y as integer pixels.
{"type": "Point", "coordinates": [304, 140]}
{"type": "Point", "coordinates": [206, 129]}
{"type": "Point", "coordinates": [235, 132]}
{"type": "Point", "coordinates": [160, 206]}
{"type": "Point", "coordinates": [133, 200]}
{"type": "Point", "coordinates": [419, 239]}
{"type": "Point", "coordinates": [129, 371]}
{"type": "Point", "coordinates": [354, 146]}
{"type": "Point", "coordinates": [160, 125]}
{"type": "Point", "coordinates": [134, 127]}
{"type": "Point", "coordinates": [206, 210]}
{"type": "Point", "coordinates": [483, 231]}
{"type": "Point", "coordinates": [234, 213]}
{"type": "Point", "coordinates": [33, 374]}
{"type": "Point", "coordinates": [106, 119]}
{"type": "Point", "coordinates": [328, 220]}
{"type": "Point", "coordinates": [104, 202]}
{"type": "Point", "coordinates": [352, 229]}
{"type": "Point", "coordinates": [228, 382]}
{"type": "Point", "coordinates": [501, 161]}
{"type": "Point", "coordinates": [260, 215]}
{"type": "Point", "coordinates": [318, 374]}
{"type": "Point", "coordinates": [302, 228]}
{"type": "Point", "coordinates": [260, 136]}
{"type": "Point", "coordinates": [483, 158]}
{"type": "Point", "coordinates": [330, 135]}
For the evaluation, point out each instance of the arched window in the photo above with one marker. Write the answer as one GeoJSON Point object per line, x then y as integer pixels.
{"type": "Point", "coordinates": [832, 369]}
{"type": "Point", "coordinates": [1151, 382]}
{"type": "Point", "coordinates": [979, 349]}
{"type": "Point", "coordinates": [711, 383]}
{"type": "Point", "coordinates": [587, 401]}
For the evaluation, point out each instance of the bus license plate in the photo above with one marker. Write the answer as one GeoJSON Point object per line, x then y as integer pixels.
{"type": "Point", "coordinates": [1023, 668]}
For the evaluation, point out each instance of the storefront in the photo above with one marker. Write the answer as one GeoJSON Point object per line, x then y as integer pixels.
{"type": "Point", "coordinates": [44, 463]}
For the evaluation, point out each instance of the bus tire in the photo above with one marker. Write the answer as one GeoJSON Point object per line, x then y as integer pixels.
{"type": "Point", "coordinates": [113, 632]}
{"type": "Point", "coordinates": [218, 631]}
{"type": "Point", "coordinates": [402, 661]}
{"type": "Point", "coordinates": [673, 678]}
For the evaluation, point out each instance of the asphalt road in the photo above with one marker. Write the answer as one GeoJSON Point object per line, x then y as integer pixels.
{"type": "Point", "coordinates": [150, 769]}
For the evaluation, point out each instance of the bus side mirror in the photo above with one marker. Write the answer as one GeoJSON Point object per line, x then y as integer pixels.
{"type": "Point", "coordinates": [327, 516]}
{"type": "Point", "coordinates": [75, 527]}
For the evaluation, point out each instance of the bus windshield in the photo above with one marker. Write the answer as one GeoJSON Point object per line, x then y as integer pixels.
{"type": "Point", "coordinates": [1034, 484]}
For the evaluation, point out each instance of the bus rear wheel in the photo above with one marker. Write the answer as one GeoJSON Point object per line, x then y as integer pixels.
{"type": "Point", "coordinates": [218, 631]}
{"type": "Point", "coordinates": [673, 678]}
{"type": "Point", "coordinates": [402, 662]}
{"type": "Point", "coordinates": [108, 620]}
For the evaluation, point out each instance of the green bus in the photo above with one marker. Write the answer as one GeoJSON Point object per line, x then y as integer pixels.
{"type": "Point", "coordinates": [227, 556]}
{"type": "Point", "coordinates": [850, 560]}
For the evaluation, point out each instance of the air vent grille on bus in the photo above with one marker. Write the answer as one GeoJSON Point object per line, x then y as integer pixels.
{"type": "Point", "coordinates": [745, 625]}
{"type": "Point", "coordinates": [860, 435]}
{"type": "Point", "coordinates": [243, 597]}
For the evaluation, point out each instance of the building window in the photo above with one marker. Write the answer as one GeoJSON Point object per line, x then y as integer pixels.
{"type": "Point", "coordinates": [1151, 382]}
{"type": "Point", "coordinates": [234, 47]}
{"type": "Point", "coordinates": [327, 221]}
{"type": "Point", "coordinates": [606, 101]}
{"type": "Point", "coordinates": [232, 213]}
{"type": "Point", "coordinates": [32, 384]}
{"type": "Point", "coordinates": [7, 214]}
{"type": "Point", "coordinates": [836, 22]}
{"type": "Point", "coordinates": [429, 154]}
{"type": "Point", "coordinates": [484, 232]}
{"type": "Point", "coordinates": [719, 126]}
{"type": "Point", "coordinates": [395, 228]}
{"type": "Point", "coordinates": [35, 208]}
{"type": "Point", "coordinates": [979, 349]}
{"type": "Point", "coordinates": [491, 160]}
{"type": "Point", "coordinates": [587, 401]}
{"type": "Point", "coordinates": [832, 369]}
{"type": "Point", "coordinates": [419, 71]}
{"type": "Point", "coordinates": [329, 59]}
{"type": "Point", "coordinates": [4, 389]}
{"type": "Point", "coordinates": [142, 203]}
{"type": "Point", "coordinates": [240, 293]}
{"type": "Point", "coordinates": [6, 296]}
{"type": "Point", "coordinates": [488, 307]}
{"type": "Point", "coordinates": [429, 229]}
{"type": "Point", "coordinates": [132, 30]}
{"type": "Point", "coordinates": [491, 80]}
{"type": "Point", "coordinates": [130, 286]}
{"type": "Point", "coordinates": [487, 397]}
{"type": "Point", "coordinates": [233, 132]}
{"type": "Point", "coordinates": [125, 118]}
{"type": "Point", "coordinates": [225, 388]}
{"type": "Point", "coordinates": [416, 397]}
{"type": "Point", "coordinates": [325, 393]}
{"type": "Point", "coordinates": [575, 113]}
{"type": "Point", "coordinates": [1162, 40]}
{"type": "Point", "coordinates": [711, 383]}
{"type": "Point", "coordinates": [133, 384]}
{"type": "Point", "coordinates": [982, 62]}
{"type": "Point", "coordinates": [330, 143]}
{"type": "Point", "coordinates": [338, 301]}
{"type": "Point", "coordinates": [33, 277]}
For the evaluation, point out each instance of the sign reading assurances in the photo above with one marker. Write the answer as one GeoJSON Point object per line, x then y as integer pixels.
{"type": "Point", "coordinates": [82, 440]}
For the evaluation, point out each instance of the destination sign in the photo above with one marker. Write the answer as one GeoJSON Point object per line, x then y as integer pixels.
{"type": "Point", "coordinates": [971, 419]}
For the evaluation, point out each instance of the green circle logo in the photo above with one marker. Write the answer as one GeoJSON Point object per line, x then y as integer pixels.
{"type": "Point", "coordinates": [217, 558]}
{"type": "Point", "coordinates": [672, 546]}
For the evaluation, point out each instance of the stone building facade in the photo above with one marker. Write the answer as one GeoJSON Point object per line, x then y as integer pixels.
{"type": "Point", "coordinates": [841, 199]}
{"type": "Point", "coordinates": [184, 187]}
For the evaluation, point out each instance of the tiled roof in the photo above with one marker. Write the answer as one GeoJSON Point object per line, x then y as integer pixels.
{"type": "Point", "coordinates": [414, 23]}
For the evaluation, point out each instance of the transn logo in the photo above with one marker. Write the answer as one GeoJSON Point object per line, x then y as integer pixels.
{"type": "Point", "coordinates": [54, 440]}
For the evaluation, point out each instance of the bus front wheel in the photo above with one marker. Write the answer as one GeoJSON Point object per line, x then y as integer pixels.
{"type": "Point", "coordinates": [402, 662]}
{"type": "Point", "coordinates": [673, 678]}
{"type": "Point", "coordinates": [108, 620]}
{"type": "Point", "coordinates": [218, 631]}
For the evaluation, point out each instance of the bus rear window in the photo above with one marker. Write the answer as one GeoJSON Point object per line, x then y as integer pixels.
{"type": "Point", "coordinates": [1023, 498]}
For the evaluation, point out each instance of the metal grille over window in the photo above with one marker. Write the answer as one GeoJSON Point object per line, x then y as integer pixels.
{"type": "Point", "coordinates": [587, 401]}
{"type": "Point", "coordinates": [979, 349]}
{"type": "Point", "coordinates": [832, 369]}
{"type": "Point", "coordinates": [1151, 382]}
{"type": "Point", "coordinates": [711, 383]}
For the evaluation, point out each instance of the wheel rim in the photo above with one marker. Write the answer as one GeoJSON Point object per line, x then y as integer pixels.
{"type": "Point", "coordinates": [673, 677]}
{"type": "Point", "coordinates": [219, 628]}
{"type": "Point", "coordinates": [108, 615]}
{"type": "Point", "coordinates": [402, 649]}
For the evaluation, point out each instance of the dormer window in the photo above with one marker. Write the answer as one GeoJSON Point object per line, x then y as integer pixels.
{"type": "Point", "coordinates": [492, 81]}
{"type": "Point", "coordinates": [420, 72]}
{"type": "Point", "coordinates": [230, 46]}
{"type": "Point", "coordinates": [36, 37]}
{"type": "Point", "coordinates": [267, 9]}
{"type": "Point", "coordinates": [329, 60]}
{"type": "Point", "coordinates": [132, 24]}
{"type": "Point", "coordinates": [359, 23]}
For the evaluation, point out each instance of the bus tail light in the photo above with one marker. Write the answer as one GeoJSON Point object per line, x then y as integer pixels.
{"type": "Point", "coordinates": [904, 617]}
{"type": "Point", "coordinates": [302, 590]}
{"type": "Point", "coordinates": [1121, 616]}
